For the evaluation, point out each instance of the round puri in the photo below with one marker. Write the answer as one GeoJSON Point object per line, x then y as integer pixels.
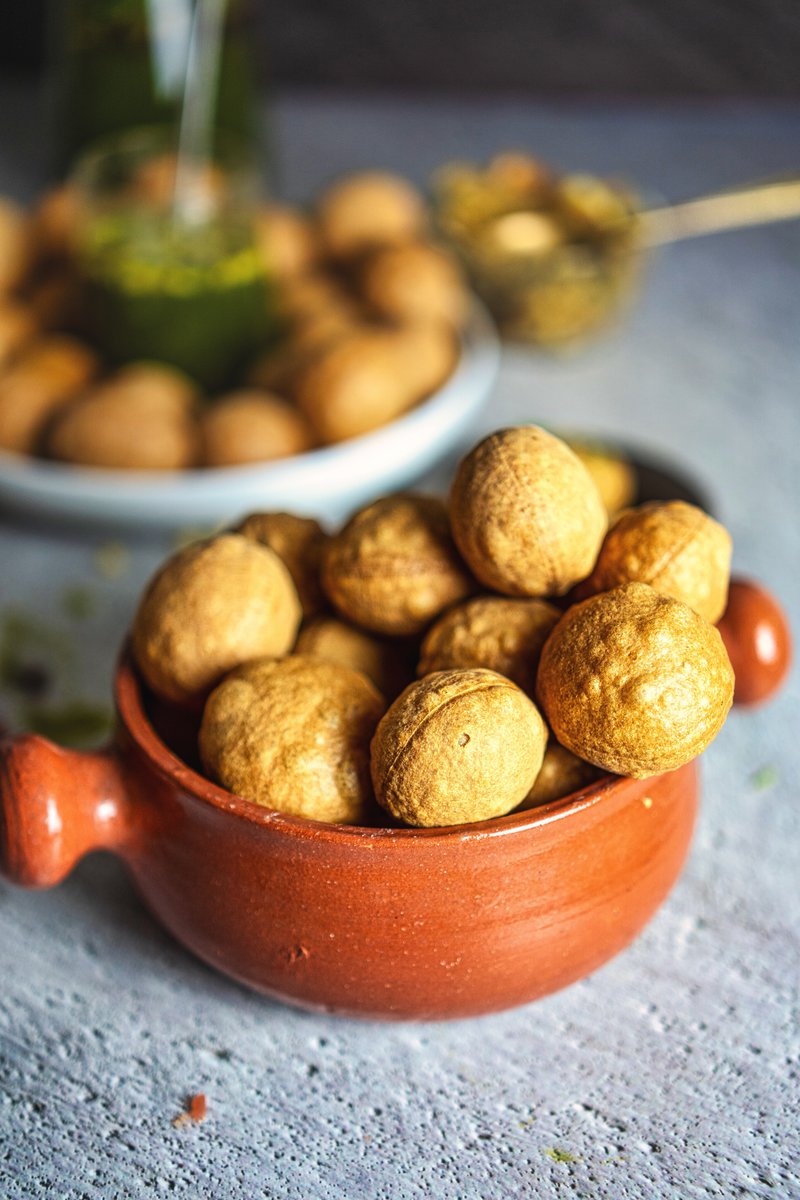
{"type": "Point", "coordinates": [676, 548]}
{"type": "Point", "coordinates": [562, 774]}
{"type": "Point", "coordinates": [427, 355]}
{"type": "Point", "coordinates": [339, 642]}
{"type": "Point", "coordinates": [614, 477]}
{"type": "Point", "coordinates": [15, 244]}
{"type": "Point", "coordinates": [17, 326]}
{"type": "Point", "coordinates": [456, 747]}
{"type": "Point", "coordinates": [500, 634]}
{"type": "Point", "coordinates": [354, 385]}
{"type": "Point", "coordinates": [415, 282]}
{"type": "Point", "coordinates": [294, 735]}
{"type": "Point", "coordinates": [55, 222]}
{"type": "Point", "coordinates": [63, 363]}
{"type": "Point", "coordinates": [393, 567]}
{"type": "Point", "coordinates": [286, 241]}
{"type": "Point", "coordinates": [526, 514]}
{"type": "Point", "coordinates": [635, 682]}
{"type": "Point", "coordinates": [44, 377]}
{"type": "Point", "coordinates": [56, 300]}
{"type": "Point", "coordinates": [299, 542]}
{"type": "Point", "coordinates": [308, 297]}
{"type": "Point", "coordinates": [280, 368]}
{"type": "Point", "coordinates": [251, 426]}
{"type": "Point", "coordinates": [369, 209]}
{"type": "Point", "coordinates": [139, 419]}
{"type": "Point", "coordinates": [211, 607]}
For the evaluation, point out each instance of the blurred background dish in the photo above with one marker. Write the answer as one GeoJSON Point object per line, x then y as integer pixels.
{"type": "Point", "coordinates": [165, 316]}
{"type": "Point", "coordinates": [558, 258]}
{"type": "Point", "coordinates": [327, 482]}
{"type": "Point", "coordinates": [553, 256]}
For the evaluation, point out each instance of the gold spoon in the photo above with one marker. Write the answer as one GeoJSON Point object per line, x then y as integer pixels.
{"type": "Point", "coordinates": [191, 201]}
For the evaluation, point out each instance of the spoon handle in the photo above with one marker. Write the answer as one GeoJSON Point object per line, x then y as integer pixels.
{"type": "Point", "coordinates": [190, 202]}
{"type": "Point", "coordinates": [757, 204]}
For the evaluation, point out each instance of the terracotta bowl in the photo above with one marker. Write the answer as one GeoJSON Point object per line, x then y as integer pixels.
{"type": "Point", "coordinates": [390, 923]}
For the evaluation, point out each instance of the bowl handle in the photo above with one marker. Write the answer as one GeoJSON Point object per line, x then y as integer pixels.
{"type": "Point", "coordinates": [55, 806]}
{"type": "Point", "coordinates": [756, 634]}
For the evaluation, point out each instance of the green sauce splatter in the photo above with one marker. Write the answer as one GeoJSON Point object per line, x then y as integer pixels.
{"type": "Point", "coordinates": [29, 647]}
{"type": "Point", "coordinates": [77, 602]}
{"type": "Point", "coordinates": [72, 724]}
{"type": "Point", "coordinates": [765, 778]}
{"type": "Point", "coordinates": [37, 666]}
{"type": "Point", "coordinates": [559, 1155]}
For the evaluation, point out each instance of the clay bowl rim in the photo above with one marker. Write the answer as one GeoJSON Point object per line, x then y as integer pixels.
{"type": "Point", "coordinates": [128, 696]}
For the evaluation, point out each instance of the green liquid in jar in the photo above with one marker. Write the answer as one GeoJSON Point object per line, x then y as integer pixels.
{"type": "Point", "coordinates": [194, 297]}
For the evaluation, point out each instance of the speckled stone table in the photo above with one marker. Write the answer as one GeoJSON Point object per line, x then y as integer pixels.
{"type": "Point", "coordinates": [673, 1072]}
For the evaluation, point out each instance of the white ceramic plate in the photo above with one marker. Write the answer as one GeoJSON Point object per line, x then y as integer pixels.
{"type": "Point", "coordinates": [327, 483]}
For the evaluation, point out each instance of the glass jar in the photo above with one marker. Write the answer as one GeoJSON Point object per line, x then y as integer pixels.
{"type": "Point", "coordinates": [180, 285]}
{"type": "Point", "coordinates": [120, 64]}
{"type": "Point", "coordinates": [555, 258]}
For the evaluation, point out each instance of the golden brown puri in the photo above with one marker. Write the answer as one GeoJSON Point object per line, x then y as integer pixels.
{"type": "Point", "coordinates": [369, 209]}
{"type": "Point", "coordinates": [500, 634]}
{"type": "Point", "coordinates": [63, 362]}
{"type": "Point", "coordinates": [307, 336]}
{"type": "Point", "coordinates": [56, 300]}
{"type": "Point", "coordinates": [635, 682]}
{"type": "Point", "coordinates": [140, 419]}
{"type": "Point", "coordinates": [287, 241]}
{"type": "Point", "coordinates": [529, 233]}
{"type": "Point", "coordinates": [526, 514]}
{"type": "Point", "coordinates": [337, 641]}
{"type": "Point", "coordinates": [427, 355]}
{"type": "Point", "coordinates": [562, 774]}
{"type": "Point", "coordinates": [250, 426]}
{"type": "Point", "coordinates": [154, 182]}
{"type": "Point", "coordinates": [46, 375]}
{"type": "Point", "coordinates": [15, 244]}
{"type": "Point", "coordinates": [414, 282]}
{"type": "Point", "coordinates": [307, 296]}
{"type": "Point", "coordinates": [17, 326]}
{"type": "Point", "coordinates": [589, 206]}
{"type": "Point", "coordinates": [614, 477]}
{"type": "Point", "coordinates": [210, 608]}
{"type": "Point", "coordinates": [55, 223]}
{"type": "Point", "coordinates": [299, 542]}
{"type": "Point", "coordinates": [317, 331]}
{"type": "Point", "coordinates": [294, 736]}
{"type": "Point", "coordinates": [393, 567]}
{"type": "Point", "coordinates": [520, 172]}
{"type": "Point", "coordinates": [456, 747]}
{"type": "Point", "coordinates": [145, 378]}
{"type": "Point", "coordinates": [355, 385]}
{"type": "Point", "coordinates": [676, 548]}
{"type": "Point", "coordinates": [278, 370]}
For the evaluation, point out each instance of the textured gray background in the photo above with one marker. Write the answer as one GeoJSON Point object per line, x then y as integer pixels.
{"type": "Point", "coordinates": [625, 47]}
{"type": "Point", "coordinates": [673, 1071]}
